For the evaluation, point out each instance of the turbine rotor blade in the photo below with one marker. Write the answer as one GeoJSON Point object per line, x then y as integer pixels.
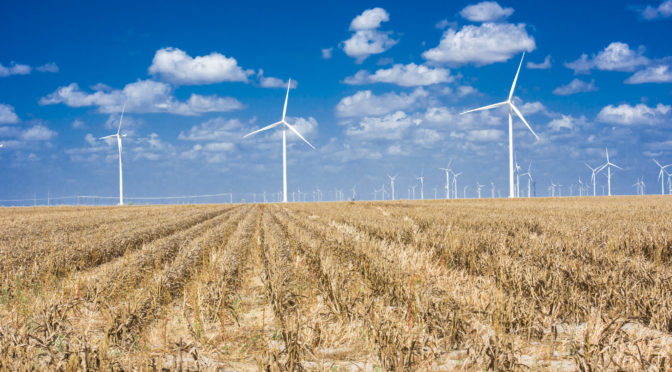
{"type": "Point", "coordinates": [486, 107]}
{"type": "Point", "coordinates": [263, 129]}
{"type": "Point", "coordinates": [122, 117]}
{"type": "Point", "coordinates": [106, 137]}
{"type": "Point", "coordinates": [513, 86]}
{"type": "Point", "coordinates": [284, 109]}
{"type": "Point", "coordinates": [298, 134]}
{"type": "Point", "coordinates": [523, 119]}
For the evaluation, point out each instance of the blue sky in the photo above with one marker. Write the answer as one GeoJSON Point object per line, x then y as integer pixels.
{"type": "Point", "coordinates": [380, 87]}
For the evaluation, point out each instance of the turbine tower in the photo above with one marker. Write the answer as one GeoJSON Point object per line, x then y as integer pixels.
{"type": "Point", "coordinates": [608, 165]}
{"type": "Point", "coordinates": [422, 185]}
{"type": "Point", "coordinates": [512, 107]}
{"type": "Point", "coordinates": [455, 175]}
{"type": "Point", "coordinates": [478, 189]}
{"type": "Point", "coordinates": [119, 136]}
{"type": "Point", "coordinates": [661, 176]}
{"type": "Point", "coordinates": [529, 179]}
{"type": "Point", "coordinates": [286, 126]}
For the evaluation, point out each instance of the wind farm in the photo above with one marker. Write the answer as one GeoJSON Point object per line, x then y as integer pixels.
{"type": "Point", "coordinates": [244, 238]}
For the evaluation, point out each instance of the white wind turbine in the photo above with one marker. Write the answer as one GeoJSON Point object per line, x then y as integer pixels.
{"type": "Point", "coordinates": [593, 180]}
{"type": "Point", "coordinates": [661, 176]}
{"type": "Point", "coordinates": [285, 125]}
{"type": "Point", "coordinates": [608, 165]}
{"type": "Point", "coordinates": [448, 171]}
{"type": "Point", "coordinates": [422, 185]}
{"type": "Point", "coordinates": [392, 178]}
{"type": "Point", "coordinates": [512, 107]}
{"type": "Point", "coordinates": [119, 136]}
{"type": "Point", "coordinates": [529, 179]}
{"type": "Point", "coordinates": [517, 175]}
{"type": "Point", "coordinates": [478, 189]}
{"type": "Point", "coordinates": [455, 175]}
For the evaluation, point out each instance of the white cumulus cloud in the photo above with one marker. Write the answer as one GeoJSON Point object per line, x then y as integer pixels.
{"type": "Point", "coordinates": [404, 75]}
{"type": "Point", "coordinates": [272, 82]}
{"type": "Point", "coordinates": [327, 53]}
{"type": "Point", "coordinates": [143, 96]}
{"type": "Point", "coordinates": [481, 45]}
{"type": "Point", "coordinates": [365, 103]}
{"type": "Point", "coordinates": [14, 69]}
{"type": "Point", "coordinates": [575, 86]}
{"type": "Point", "coordinates": [616, 56]}
{"type": "Point", "coordinates": [388, 127]}
{"type": "Point", "coordinates": [7, 114]}
{"type": "Point", "coordinates": [367, 39]}
{"type": "Point", "coordinates": [639, 114]}
{"type": "Point", "coordinates": [652, 74]}
{"type": "Point", "coordinates": [540, 66]}
{"type": "Point", "coordinates": [177, 67]}
{"type": "Point", "coordinates": [663, 10]}
{"type": "Point", "coordinates": [485, 135]}
{"type": "Point", "coordinates": [485, 11]}
{"type": "Point", "coordinates": [48, 67]}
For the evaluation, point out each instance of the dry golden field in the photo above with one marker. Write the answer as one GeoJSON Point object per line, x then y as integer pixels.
{"type": "Point", "coordinates": [542, 284]}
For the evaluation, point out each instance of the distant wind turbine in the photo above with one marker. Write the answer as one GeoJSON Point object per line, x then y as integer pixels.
{"type": "Point", "coordinates": [392, 178]}
{"type": "Point", "coordinates": [478, 189]}
{"type": "Point", "coordinates": [286, 126]}
{"type": "Point", "coordinates": [512, 107]}
{"type": "Point", "coordinates": [455, 175]}
{"type": "Point", "coordinates": [661, 176]}
{"type": "Point", "coordinates": [593, 180]}
{"type": "Point", "coordinates": [529, 179]}
{"type": "Point", "coordinates": [608, 165]}
{"type": "Point", "coordinates": [448, 171]}
{"type": "Point", "coordinates": [119, 136]}
{"type": "Point", "coordinates": [422, 185]}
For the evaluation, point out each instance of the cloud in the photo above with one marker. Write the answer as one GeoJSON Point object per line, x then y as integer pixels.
{"type": "Point", "coordinates": [367, 39]}
{"type": "Point", "coordinates": [531, 108]}
{"type": "Point", "coordinates": [481, 45]}
{"type": "Point", "coordinates": [663, 10]}
{"type": "Point", "coordinates": [540, 66]}
{"type": "Point", "coordinates": [175, 66]}
{"type": "Point", "coordinates": [575, 86]}
{"type": "Point", "coordinates": [616, 56]}
{"type": "Point", "coordinates": [365, 103]}
{"type": "Point", "coordinates": [38, 133]}
{"type": "Point", "coordinates": [639, 114]}
{"type": "Point", "coordinates": [410, 75]}
{"type": "Point", "coordinates": [7, 114]}
{"type": "Point", "coordinates": [485, 135]}
{"type": "Point", "coordinates": [369, 19]}
{"type": "Point", "coordinates": [215, 129]}
{"type": "Point", "coordinates": [566, 122]}
{"type": "Point", "coordinates": [271, 82]}
{"type": "Point", "coordinates": [426, 137]}
{"type": "Point", "coordinates": [14, 69]}
{"type": "Point", "coordinates": [78, 124]}
{"type": "Point", "coordinates": [143, 96]}
{"type": "Point", "coordinates": [389, 127]}
{"type": "Point", "coordinates": [327, 53]}
{"type": "Point", "coordinates": [48, 67]}
{"type": "Point", "coordinates": [653, 74]}
{"type": "Point", "coordinates": [444, 23]}
{"type": "Point", "coordinates": [485, 11]}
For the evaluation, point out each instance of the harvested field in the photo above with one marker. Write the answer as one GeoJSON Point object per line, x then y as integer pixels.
{"type": "Point", "coordinates": [539, 284]}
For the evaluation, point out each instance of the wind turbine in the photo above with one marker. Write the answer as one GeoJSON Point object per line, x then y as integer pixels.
{"type": "Point", "coordinates": [413, 188]}
{"type": "Point", "coordinates": [354, 192]}
{"type": "Point", "coordinates": [455, 175]}
{"type": "Point", "coordinates": [448, 171]}
{"type": "Point", "coordinates": [392, 178]}
{"type": "Point", "coordinates": [608, 165]}
{"type": "Point", "coordinates": [593, 180]}
{"type": "Point", "coordinates": [512, 107]}
{"type": "Point", "coordinates": [119, 136]}
{"type": "Point", "coordinates": [580, 187]}
{"type": "Point", "coordinates": [529, 179]}
{"type": "Point", "coordinates": [517, 176]}
{"type": "Point", "coordinates": [422, 185]}
{"type": "Point", "coordinates": [286, 126]}
{"type": "Point", "coordinates": [660, 176]}
{"type": "Point", "coordinates": [492, 190]}
{"type": "Point", "coordinates": [478, 189]}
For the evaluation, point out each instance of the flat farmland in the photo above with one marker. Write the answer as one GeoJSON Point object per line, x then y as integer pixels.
{"type": "Point", "coordinates": [558, 284]}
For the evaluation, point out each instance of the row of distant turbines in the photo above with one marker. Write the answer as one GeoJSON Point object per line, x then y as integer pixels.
{"type": "Point", "coordinates": [451, 177]}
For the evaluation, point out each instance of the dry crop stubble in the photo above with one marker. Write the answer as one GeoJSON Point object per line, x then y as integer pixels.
{"type": "Point", "coordinates": [543, 284]}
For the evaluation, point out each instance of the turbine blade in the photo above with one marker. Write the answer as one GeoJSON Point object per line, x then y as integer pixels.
{"type": "Point", "coordinates": [122, 117]}
{"type": "Point", "coordinates": [263, 129]}
{"type": "Point", "coordinates": [284, 109]}
{"type": "Point", "coordinates": [485, 107]}
{"type": "Point", "coordinates": [615, 166]}
{"type": "Point", "coordinates": [513, 86]}
{"type": "Point", "coordinates": [106, 137]}
{"type": "Point", "coordinates": [298, 134]}
{"type": "Point", "coordinates": [523, 119]}
{"type": "Point", "coordinates": [657, 163]}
